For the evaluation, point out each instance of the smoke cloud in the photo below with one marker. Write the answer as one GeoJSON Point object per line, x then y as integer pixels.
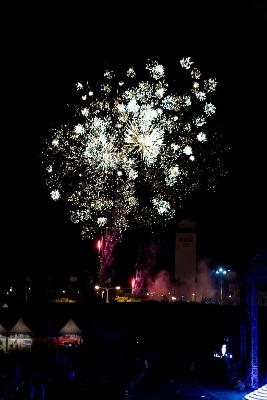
{"type": "Point", "coordinates": [198, 287]}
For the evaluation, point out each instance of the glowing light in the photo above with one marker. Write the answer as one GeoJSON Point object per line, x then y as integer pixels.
{"type": "Point", "coordinates": [187, 150]}
{"type": "Point", "coordinates": [210, 85]}
{"type": "Point", "coordinates": [128, 134]}
{"type": "Point", "coordinates": [101, 221]}
{"type": "Point", "coordinates": [260, 393]}
{"type": "Point", "coordinates": [79, 128]}
{"type": "Point", "coordinates": [85, 112]}
{"type": "Point", "coordinates": [156, 70]}
{"type": "Point", "coordinates": [131, 73]}
{"type": "Point", "coordinates": [79, 86]}
{"type": "Point", "coordinates": [186, 62]}
{"type": "Point", "coordinates": [55, 142]}
{"type": "Point", "coordinates": [209, 109]}
{"type": "Point", "coordinates": [201, 96]}
{"type": "Point", "coordinates": [195, 73]}
{"type": "Point", "coordinates": [99, 244]}
{"type": "Point", "coordinates": [201, 137]}
{"type": "Point", "coordinates": [55, 194]}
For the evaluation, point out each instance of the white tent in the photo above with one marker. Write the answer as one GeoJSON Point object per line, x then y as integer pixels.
{"type": "Point", "coordinates": [2, 329]}
{"type": "Point", "coordinates": [70, 334]}
{"type": "Point", "coordinates": [20, 337]}
{"type": "Point", "coordinates": [3, 338]}
{"type": "Point", "coordinates": [20, 328]}
{"type": "Point", "coordinates": [70, 328]}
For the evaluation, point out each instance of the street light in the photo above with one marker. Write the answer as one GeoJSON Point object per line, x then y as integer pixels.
{"type": "Point", "coordinates": [107, 289]}
{"type": "Point", "coordinates": [221, 272]}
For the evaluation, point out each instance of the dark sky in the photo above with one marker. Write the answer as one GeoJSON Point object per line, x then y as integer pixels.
{"type": "Point", "coordinates": [44, 56]}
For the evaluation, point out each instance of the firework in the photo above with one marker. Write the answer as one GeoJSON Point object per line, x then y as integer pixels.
{"type": "Point", "coordinates": [134, 148]}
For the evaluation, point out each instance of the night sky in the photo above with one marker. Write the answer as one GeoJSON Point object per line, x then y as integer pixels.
{"type": "Point", "coordinates": [43, 58]}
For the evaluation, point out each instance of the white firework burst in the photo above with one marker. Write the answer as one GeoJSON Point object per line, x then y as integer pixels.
{"type": "Point", "coordinates": [126, 155]}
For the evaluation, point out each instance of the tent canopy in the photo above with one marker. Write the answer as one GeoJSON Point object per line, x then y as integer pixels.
{"type": "Point", "coordinates": [70, 328]}
{"type": "Point", "coordinates": [20, 327]}
{"type": "Point", "coordinates": [2, 329]}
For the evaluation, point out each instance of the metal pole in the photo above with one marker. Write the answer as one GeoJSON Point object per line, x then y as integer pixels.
{"type": "Point", "coordinates": [221, 290]}
{"type": "Point", "coordinates": [107, 300]}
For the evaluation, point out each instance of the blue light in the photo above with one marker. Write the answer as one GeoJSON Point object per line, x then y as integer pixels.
{"type": "Point", "coordinates": [260, 393]}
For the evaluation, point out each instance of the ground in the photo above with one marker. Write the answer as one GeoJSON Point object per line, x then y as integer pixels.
{"type": "Point", "coordinates": [188, 391]}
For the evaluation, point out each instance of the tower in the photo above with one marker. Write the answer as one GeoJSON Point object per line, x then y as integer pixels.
{"type": "Point", "coordinates": [185, 260]}
{"type": "Point", "coordinates": [255, 277]}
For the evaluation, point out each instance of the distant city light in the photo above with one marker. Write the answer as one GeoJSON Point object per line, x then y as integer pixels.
{"type": "Point", "coordinates": [221, 272]}
{"type": "Point", "coordinates": [224, 353]}
{"type": "Point", "coordinates": [223, 350]}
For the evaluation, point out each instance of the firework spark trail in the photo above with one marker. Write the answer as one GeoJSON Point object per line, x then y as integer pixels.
{"type": "Point", "coordinates": [106, 257]}
{"type": "Point", "coordinates": [147, 257]}
{"type": "Point", "coordinates": [134, 149]}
